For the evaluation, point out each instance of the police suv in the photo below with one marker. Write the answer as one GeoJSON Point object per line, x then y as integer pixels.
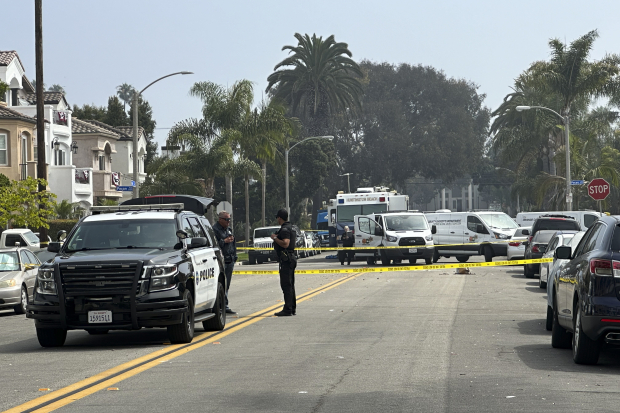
{"type": "Point", "coordinates": [132, 266]}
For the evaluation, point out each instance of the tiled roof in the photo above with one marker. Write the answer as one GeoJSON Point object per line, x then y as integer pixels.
{"type": "Point", "coordinates": [128, 130]}
{"type": "Point", "coordinates": [82, 127]}
{"type": "Point", "coordinates": [6, 57]}
{"type": "Point", "coordinates": [28, 88]}
{"type": "Point", "coordinates": [6, 113]}
{"type": "Point", "coordinates": [48, 97]}
{"type": "Point", "coordinates": [118, 131]}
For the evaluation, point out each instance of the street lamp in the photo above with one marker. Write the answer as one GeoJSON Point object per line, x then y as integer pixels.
{"type": "Point", "coordinates": [286, 159]}
{"type": "Point", "coordinates": [569, 194]}
{"type": "Point", "coordinates": [348, 174]}
{"type": "Point", "coordinates": [136, 96]}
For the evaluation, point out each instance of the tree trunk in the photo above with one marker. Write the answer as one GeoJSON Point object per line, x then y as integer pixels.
{"type": "Point", "coordinates": [264, 185]}
{"type": "Point", "coordinates": [247, 211]}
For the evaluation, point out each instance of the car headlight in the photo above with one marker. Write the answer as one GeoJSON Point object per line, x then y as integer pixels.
{"type": "Point", "coordinates": [500, 236]}
{"type": "Point", "coordinates": [428, 237]}
{"type": "Point", "coordinates": [7, 283]}
{"type": "Point", "coordinates": [45, 281]}
{"type": "Point", "coordinates": [163, 277]}
{"type": "Point", "coordinates": [391, 238]}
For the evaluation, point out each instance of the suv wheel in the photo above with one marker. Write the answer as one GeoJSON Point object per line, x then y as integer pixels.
{"type": "Point", "coordinates": [370, 261]}
{"type": "Point", "coordinates": [585, 350]}
{"type": "Point", "coordinates": [252, 260]}
{"type": "Point", "coordinates": [462, 258]}
{"type": "Point", "coordinates": [549, 323]}
{"type": "Point", "coordinates": [560, 338]}
{"type": "Point", "coordinates": [435, 256]}
{"type": "Point", "coordinates": [21, 307]}
{"type": "Point", "coordinates": [384, 258]}
{"type": "Point", "coordinates": [218, 322]}
{"type": "Point", "coordinates": [527, 272]}
{"type": "Point", "coordinates": [184, 331]}
{"type": "Point", "coordinates": [51, 337]}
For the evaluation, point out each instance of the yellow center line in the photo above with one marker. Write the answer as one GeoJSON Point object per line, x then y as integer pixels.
{"type": "Point", "coordinates": [94, 383]}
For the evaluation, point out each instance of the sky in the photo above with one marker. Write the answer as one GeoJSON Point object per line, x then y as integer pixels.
{"type": "Point", "coordinates": [91, 47]}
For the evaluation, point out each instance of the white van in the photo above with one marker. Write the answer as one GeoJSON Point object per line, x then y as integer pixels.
{"type": "Point", "coordinates": [585, 218]}
{"type": "Point", "coordinates": [471, 233]}
{"type": "Point", "coordinates": [394, 229]}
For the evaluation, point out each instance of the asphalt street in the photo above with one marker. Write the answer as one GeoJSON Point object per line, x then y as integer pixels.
{"type": "Point", "coordinates": [415, 341]}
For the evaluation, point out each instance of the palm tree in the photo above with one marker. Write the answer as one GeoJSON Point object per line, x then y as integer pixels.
{"type": "Point", "coordinates": [317, 79]}
{"type": "Point", "coordinates": [65, 209]}
{"type": "Point", "coordinates": [125, 93]}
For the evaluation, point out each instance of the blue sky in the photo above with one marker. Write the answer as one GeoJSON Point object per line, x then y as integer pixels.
{"type": "Point", "coordinates": [90, 47]}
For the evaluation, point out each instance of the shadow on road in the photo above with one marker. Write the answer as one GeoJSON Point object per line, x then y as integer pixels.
{"type": "Point", "coordinates": [534, 327]}
{"type": "Point", "coordinates": [547, 358]}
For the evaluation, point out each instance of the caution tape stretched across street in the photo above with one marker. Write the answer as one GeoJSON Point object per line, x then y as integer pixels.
{"type": "Point", "coordinates": [404, 268]}
{"type": "Point", "coordinates": [399, 247]}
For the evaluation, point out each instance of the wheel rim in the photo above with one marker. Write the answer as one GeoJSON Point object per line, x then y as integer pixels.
{"type": "Point", "coordinates": [24, 299]}
{"type": "Point", "coordinates": [577, 329]}
{"type": "Point", "coordinates": [222, 308]}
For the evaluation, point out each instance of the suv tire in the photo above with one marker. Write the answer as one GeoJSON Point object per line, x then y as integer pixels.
{"type": "Point", "coordinates": [428, 261]}
{"type": "Point", "coordinates": [560, 338]}
{"type": "Point", "coordinates": [51, 337]}
{"type": "Point", "coordinates": [370, 261]}
{"type": "Point", "coordinates": [384, 258]}
{"type": "Point", "coordinates": [585, 350]}
{"type": "Point", "coordinates": [252, 260]}
{"type": "Point", "coordinates": [462, 258]}
{"type": "Point", "coordinates": [435, 256]}
{"type": "Point", "coordinates": [412, 261]}
{"type": "Point", "coordinates": [184, 331]}
{"type": "Point", "coordinates": [549, 322]}
{"type": "Point", "coordinates": [526, 272]}
{"type": "Point", "coordinates": [218, 322]}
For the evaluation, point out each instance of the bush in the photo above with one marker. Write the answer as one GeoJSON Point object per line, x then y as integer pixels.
{"type": "Point", "coordinates": [60, 224]}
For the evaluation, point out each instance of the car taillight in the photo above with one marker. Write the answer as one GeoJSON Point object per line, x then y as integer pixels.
{"type": "Point", "coordinates": [602, 267]}
{"type": "Point", "coordinates": [514, 243]}
{"type": "Point", "coordinates": [535, 248]}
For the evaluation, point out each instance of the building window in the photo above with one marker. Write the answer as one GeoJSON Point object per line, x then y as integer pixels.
{"type": "Point", "coordinates": [35, 151]}
{"type": "Point", "coordinates": [102, 163]}
{"type": "Point", "coordinates": [60, 157]}
{"type": "Point", "coordinates": [4, 155]}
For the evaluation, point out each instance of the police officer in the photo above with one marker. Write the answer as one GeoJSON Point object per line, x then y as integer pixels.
{"type": "Point", "coordinates": [347, 241]}
{"type": "Point", "coordinates": [226, 241]}
{"type": "Point", "coordinates": [284, 244]}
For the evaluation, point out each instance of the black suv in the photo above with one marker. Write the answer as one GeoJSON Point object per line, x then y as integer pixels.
{"type": "Point", "coordinates": [586, 294]}
{"type": "Point", "coordinates": [552, 222]}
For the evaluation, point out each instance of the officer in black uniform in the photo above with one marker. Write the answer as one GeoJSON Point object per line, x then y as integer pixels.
{"type": "Point", "coordinates": [284, 244]}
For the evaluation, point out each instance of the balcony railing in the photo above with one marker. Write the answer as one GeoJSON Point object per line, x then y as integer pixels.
{"type": "Point", "coordinates": [60, 117]}
{"type": "Point", "coordinates": [82, 176]}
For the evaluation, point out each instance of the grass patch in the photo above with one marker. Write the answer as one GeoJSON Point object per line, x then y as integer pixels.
{"type": "Point", "coordinates": [242, 256]}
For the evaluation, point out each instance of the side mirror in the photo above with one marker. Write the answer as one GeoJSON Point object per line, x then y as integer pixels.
{"type": "Point", "coordinates": [18, 244]}
{"type": "Point", "coordinates": [563, 253]}
{"type": "Point", "coordinates": [433, 229]}
{"type": "Point", "coordinates": [525, 232]}
{"type": "Point", "coordinates": [62, 234]}
{"type": "Point", "coordinates": [53, 247]}
{"type": "Point", "coordinates": [182, 234]}
{"type": "Point", "coordinates": [197, 242]}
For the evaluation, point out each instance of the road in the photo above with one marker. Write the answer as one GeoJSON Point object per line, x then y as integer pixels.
{"type": "Point", "coordinates": [414, 341]}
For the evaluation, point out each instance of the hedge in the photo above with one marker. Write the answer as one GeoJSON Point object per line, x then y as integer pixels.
{"type": "Point", "coordinates": [60, 224]}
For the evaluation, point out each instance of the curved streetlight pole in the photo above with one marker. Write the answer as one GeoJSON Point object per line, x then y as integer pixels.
{"type": "Point", "coordinates": [136, 97]}
{"type": "Point", "coordinates": [286, 151]}
{"type": "Point", "coordinates": [569, 194]}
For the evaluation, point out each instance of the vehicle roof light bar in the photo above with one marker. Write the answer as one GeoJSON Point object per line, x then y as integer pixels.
{"type": "Point", "coordinates": [148, 207]}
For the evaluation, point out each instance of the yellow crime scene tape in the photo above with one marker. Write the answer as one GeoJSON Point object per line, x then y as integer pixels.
{"type": "Point", "coordinates": [404, 268]}
{"type": "Point", "coordinates": [399, 247]}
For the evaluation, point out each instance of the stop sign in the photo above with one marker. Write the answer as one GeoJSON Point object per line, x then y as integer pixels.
{"type": "Point", "coordinates": [598, 189]}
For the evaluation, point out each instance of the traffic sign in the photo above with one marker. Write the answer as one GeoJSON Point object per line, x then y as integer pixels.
{"type": "Point", "coordinates": [598, 189]}
{"type": "Point", "coordinates": [124, 188]}
{"type": "Point", "coordinates": [133, 183]}
{"type": "Point", "coordinates": [577, 182]}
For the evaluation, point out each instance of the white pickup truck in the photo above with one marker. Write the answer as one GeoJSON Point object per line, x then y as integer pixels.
{"type": "Point", "coordinates": [25, 237]}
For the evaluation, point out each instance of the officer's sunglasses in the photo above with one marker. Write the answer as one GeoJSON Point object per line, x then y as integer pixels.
{"type": "Point", "coordinates": [225, 219]}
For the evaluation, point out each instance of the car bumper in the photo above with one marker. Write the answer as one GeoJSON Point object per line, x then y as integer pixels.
{"type": "Point", "coordinates": [10, 297]}
{"type": "Point", "coordinates": [515, 253]}
{"type": "Point", "coordinates": [601, 316]}
{"type": "Point", "coordinates": [403, 253]}
{"type": "Point", "coordinates": [263, 254]}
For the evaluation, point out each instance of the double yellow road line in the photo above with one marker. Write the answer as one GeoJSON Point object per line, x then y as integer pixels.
{"type": "Point", "coordinates": [108, 378]}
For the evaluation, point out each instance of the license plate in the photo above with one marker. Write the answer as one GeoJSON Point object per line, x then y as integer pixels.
{"type": "Point", "coordinates": [95, 317]}
{"type": "Point", "coordinates": [413, 250]}
{"type": "Point", "coordinates": [266, 252]}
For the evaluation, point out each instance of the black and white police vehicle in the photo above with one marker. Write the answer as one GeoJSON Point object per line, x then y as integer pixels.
{"type": "Point", "coordinates": [132, 266]}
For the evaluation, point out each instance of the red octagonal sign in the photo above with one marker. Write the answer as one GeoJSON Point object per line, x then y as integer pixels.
{"type": "Point", "coordinates": [598, 189]}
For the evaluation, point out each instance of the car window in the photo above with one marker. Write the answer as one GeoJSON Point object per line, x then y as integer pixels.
{"type": "Point", "coordinates": [615, 240]}
{"type": "Point", "coordinates": [566, 239]}
{"type": "Point", "coordinates": [32, 239]}
{"type": "Point", "coordinates": [589, 220]}
{"type": "Point", "coordinates": [556, 224]}
{"type": "Point", "coordinates": [9, 261]}
{"type": "Point", "coordinates": [472, 223]}
{"type": "Point", "coordinates": [32, 259]}
{"type": "Point", "coordinates": [552, 244]}
{"type": "Point", "coordinates": [24, 258]}
{"type": "Point", "coordinates": [592, 239]}
{"type": "Point", "coordinates": [12, 239]}
{"type": "Point", "coordinates": [210, 233]}
{"type": "Point", "coordinates": [198, 231]}
{"type": "Point", "coordinates": [187, 227]}
{"type": "Point", "coordinates": [367, 225]}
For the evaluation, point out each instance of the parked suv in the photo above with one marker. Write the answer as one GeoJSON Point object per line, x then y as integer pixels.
{"type": "Point", "coordinates": [535, 249]}
{"type": "Point", "coordinates": [586, 295]}
{"type": "Point", "coordinates": [552, 221]}
{"type": "Point", "coordinates": [132, 266]}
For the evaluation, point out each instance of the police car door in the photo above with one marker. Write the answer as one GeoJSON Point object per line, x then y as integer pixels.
{"type": "Point", "coordinates": [203, 266]}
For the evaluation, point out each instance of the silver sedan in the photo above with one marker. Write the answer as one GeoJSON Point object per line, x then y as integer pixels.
{"type": "Point", "coordinates": [18, 271]}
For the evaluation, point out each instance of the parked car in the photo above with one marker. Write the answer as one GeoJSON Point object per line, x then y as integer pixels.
{"type": "Point", "coordinates": [535, 249]}
{"type": "Point", "coordinates": [310, 243]}
{"type": "Point", "coordinates": [18, 272]}
{"type": "Point", "coordinates": [516, 248]}
{"type": "Point", "coordinates": [552, 222]}
{"type": "Point", "coordinates": [316, 242]}
{"type": "Point", "coordinates": [559, 238]}
{"type": "Point", "coordinates": [555, 269]}
{"type": "Point", "coordinates": [586, 306]}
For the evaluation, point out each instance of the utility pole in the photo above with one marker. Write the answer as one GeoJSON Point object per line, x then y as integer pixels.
{"type": "Point", "coordinates": [41, 147]}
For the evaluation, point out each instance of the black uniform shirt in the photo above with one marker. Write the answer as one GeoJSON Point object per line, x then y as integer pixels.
{"type": "Point", "coordinates": [286, 231]}
{"type": "Point", "coordinates": [229, 250]}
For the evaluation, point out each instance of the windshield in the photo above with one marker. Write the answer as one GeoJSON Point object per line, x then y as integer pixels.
{"type": "Point", "coordinates": [347, 212]}
{"type": "Point", "coordinates": [9, 261]}
{"type": "Point", "coordinates": [264, 232]}
{"type": "Point", "coordinates": [31, 238]}
{"type": "Point", "coordinates": [567, 238]}
{"type": "Point", "coordinates": [500, 221]}
{"type": "Point", "coordinates": [557, 224]}
{"type": "Point", "coordinates": [126, 233]}
{"type": "Point", "coordinates": [405, 222]}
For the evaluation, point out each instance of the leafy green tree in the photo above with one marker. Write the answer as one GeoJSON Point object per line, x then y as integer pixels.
{"type": "Point", "coordinates": [318, 79]}
{"type": "Point", "coordinates": [20, 204]}
{"type": "Point", "coordinates": [90, 112]}
{"type": "Point", "coordinates": [4, 87]}
{"type": "Point", "coordinates": [66, 210]}
{"type": "Point", "coordinates": [4, 181]}
{"type": "Point", "coordinates": [57, 88]}
{"type": "Point", "coordinates": [125, 93]}
{"type": "Point", "coordinates": [116, 115]}
{"type": "Point", "coordinates": [145, 119]}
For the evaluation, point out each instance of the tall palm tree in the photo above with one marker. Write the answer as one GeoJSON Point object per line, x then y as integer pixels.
{"type": "Point", "coordinates": [65, 209]}
{"type": "Point", "coordinates": [317, 79]}
{"type": "Point", "coordinates": [125, 93]}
